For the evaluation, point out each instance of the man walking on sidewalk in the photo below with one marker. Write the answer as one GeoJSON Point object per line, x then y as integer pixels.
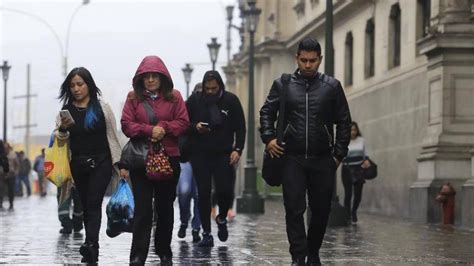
{"type": "Point", "coordinates": [314, 103]}
{"type": "Point", "coordinates": [217, 139]}
{"type": "Point", "coordinates": [38, 166]}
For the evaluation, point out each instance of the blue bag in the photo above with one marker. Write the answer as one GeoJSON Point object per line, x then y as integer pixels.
{"type": "Point", "coordinates": [120, 210]}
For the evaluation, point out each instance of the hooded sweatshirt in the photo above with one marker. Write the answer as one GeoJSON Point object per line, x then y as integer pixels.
{"type": "Point", "coordinates": [172, 115]}
{"type": "Point", "coordinates": [225, 116]}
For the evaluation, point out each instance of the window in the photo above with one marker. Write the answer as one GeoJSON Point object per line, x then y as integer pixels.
{"type": "Point", "coordinates": [423, 14]}
{"type": "Point", "coordinates": [369, 48]}
{"type": "Point", "coordinates": [394, 36]}
{"type": "Point", "coordinates": [349, 60]}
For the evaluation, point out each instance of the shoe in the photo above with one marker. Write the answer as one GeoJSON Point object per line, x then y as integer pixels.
{"type": "Point", "coordinates": [78, 227]}
{"type": "Point", "coordinates": [65, 231]}
{"type": "Point", "coordinates": [166, 259]}
{"type": "Point", "coordinates": [196, 236]}
{"type": "Point", "coordinates": [313, 261]}
{"type": "Point", "coordinates": [136, 261]}
{"type": "Point", "coordinates": [298, 261]}
{"type": "Point", "coordinates": [354, 217]}
{"type": "Point", "coordinates": [207, 240]}
{"type": "Point", "coordinates": [222, 232]}
{"type": "Point", "coordinates": [182, 231]}
{"type": "Point", "coordinates": [89, 252]}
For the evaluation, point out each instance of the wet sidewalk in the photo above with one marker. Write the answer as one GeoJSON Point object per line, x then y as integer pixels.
{"type": "Point", "coordinates": [29, 235]}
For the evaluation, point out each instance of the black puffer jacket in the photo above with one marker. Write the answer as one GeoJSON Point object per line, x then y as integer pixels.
{"type": "Point", "coordinates": [313, 106]}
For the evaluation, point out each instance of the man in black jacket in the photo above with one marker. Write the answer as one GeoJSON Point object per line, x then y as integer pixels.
{"type": "Point", "coordinates": [314, 103]}
{"type": "Point", "coordinates": [217, 139]}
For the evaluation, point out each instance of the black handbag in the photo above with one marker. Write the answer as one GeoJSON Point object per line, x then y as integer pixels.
{"type": "Point", "coordinates": [272, 168]}
{"type": "Point", "coordinates": [371, 171]}
{"type": "Point", "coordinates": [135, 152]}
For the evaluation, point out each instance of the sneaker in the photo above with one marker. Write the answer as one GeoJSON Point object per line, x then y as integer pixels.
{"type": "Point", "coordinates": [222, 232]}
{"type": "Point", "coordinates": [196, 236]}
{"type": "Point", "coordinates": [182, 231]}
{"type": "Point", "coordinates": [207, 240]}
{"type": "Point", "coordinates": [65, 231]}
{"type": "Point", "coordinates": [354, 217]}
{"type": "Point", "coordinates": [89, 252]}
{"type": "Point", "coordinates": [313, 261]}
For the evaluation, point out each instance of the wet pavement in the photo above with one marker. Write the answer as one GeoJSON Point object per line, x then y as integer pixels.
{"type": "Point", "coordinates": [29, 235]}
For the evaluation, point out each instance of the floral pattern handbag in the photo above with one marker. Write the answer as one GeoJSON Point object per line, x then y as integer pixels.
{"type": "Point", "coordinates": [158, 166]}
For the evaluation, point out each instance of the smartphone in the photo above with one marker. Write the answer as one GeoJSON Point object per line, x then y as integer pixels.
{"type": "Point", "coordinates": [66, 114]}
{"type": "Point", "coordinates": [205, 124]}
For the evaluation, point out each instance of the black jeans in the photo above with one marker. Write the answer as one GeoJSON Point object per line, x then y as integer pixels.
{"type": "Point", "coordinates": [164, 193]}
{"type": "Point", "coordinates": [315, 177]}
{"type": "Point", "coordinates": [91, 183]}
{"type": "Point", "coordinates": [7, 184]}
{"type": "Point", "coordinates": [352, 179]}
{"type": "Point", "coordinates": [217, 166]}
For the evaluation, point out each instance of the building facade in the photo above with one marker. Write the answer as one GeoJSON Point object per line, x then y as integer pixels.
{"type": "Point", "coordinates": [407, 68]}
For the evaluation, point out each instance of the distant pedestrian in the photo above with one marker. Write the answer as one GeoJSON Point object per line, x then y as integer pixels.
{"type": "Point", "coordinates": [153, 90]}
{"type": "Point", "coordinates": [88, 123]}
{"type": "Point", "coordinates": [187, 188]}
{"type": "Point", "coordinates": [24, 174]}
{"type": "Point", "coordinates": [217, 137]}
{"type": "Point", "coordinates": [38, 166]}
{"type": "Point", "coordinates": [352, 171]}
{"type": "Point", "coordinates": [10, 177]}
{"type": "Point", "coordinates": [315, 102]}
{"type": "Point", "coordinates": [4, 169]}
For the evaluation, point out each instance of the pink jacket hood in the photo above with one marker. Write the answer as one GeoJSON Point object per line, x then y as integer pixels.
{"type": "Point", "coordinates": [152, 63]}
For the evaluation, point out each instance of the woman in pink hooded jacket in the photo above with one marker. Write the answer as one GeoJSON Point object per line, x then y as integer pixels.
{"type": "Point", "coordinates": [152, 83]}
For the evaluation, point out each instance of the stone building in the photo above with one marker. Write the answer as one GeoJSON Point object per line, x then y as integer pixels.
{"type": "Point", "coordinates": [407, 68]}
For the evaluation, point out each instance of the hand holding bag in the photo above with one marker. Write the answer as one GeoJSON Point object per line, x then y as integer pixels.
{"type": "Point", "coordinates": [371, 171]}
{"type": "Point", "coordinates": [272, 168]}
{"type": "Point", "coordinates": [158, 166]}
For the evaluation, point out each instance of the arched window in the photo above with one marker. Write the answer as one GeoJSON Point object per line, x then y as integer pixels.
{"type": "Point", "coordinates": [394, 36]}
{"type": "Point", "coordinates": [369, 63]}
{"type": "Point", "coordinates": [349, 60]}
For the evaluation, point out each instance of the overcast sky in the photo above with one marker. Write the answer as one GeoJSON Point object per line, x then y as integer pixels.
{"type": "Point", "coordinates": [108, 37]}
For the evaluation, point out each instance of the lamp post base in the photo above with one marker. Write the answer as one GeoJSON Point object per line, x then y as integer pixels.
{"type": "Point", "coordinates": [250, 201]}
{"type": "Point", "coordinates": [339, 215]}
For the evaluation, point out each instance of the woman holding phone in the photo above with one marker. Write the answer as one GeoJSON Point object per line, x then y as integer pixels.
{"type": "Point", "coordinates": [89, 125]}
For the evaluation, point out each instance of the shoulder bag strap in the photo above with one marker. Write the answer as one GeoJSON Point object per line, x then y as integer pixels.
{"type": "Point", "coordinates": [151, 114]}
{"type": "Point", "coordinates": [285, 79]}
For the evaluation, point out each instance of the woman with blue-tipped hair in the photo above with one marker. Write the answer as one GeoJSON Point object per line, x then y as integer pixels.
{"type": "Point", "coordinates": [89, 126]}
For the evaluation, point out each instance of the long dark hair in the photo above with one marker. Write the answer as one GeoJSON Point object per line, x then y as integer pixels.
{"type": "Point", "coordinates": [354, 124]}
{"type": "Point", "coordinates": [93, 108]}
{"type": "Point", "coordinates": [2, 149]}
{"type": "Point", "coordinates": [165, 89]}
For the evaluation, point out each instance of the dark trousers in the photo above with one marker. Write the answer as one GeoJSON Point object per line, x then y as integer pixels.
{"type": "Point", "coordinates": [216, 166]}
{"type": "Point", "coordinates": [315, 177]}
{"type": "Point", "coordinates": [352, 180]}
{"type": "Point", "coordinates": [164, 193]}
{"type": "Point", "coordinates": [91, 183]}
{"type": "Point", "coordinates": [7, 185]}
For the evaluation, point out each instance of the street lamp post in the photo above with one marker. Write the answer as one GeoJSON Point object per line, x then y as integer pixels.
{"type": "Point", "coordinates": [187, 71]}
{"type": "Point", "coordinates": [251, 201]}
{"type": "Point", "coordinates": [5, 73]}
{"type": "Point", "coordinates": [339, 215]}
{"type": "Point", "coordinates": [214, 51]}
{"type": "Point", "coordinates": [65, 63]}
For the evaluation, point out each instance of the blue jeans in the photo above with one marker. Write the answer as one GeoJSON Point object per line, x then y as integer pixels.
{"type": "Point", "coordinates": [186, 190]}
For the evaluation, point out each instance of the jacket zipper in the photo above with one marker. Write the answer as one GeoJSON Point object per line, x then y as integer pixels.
{"type": "Point", "coordinates": [329, 136]}
{"type": "Point", "coordinates": [307, 88]}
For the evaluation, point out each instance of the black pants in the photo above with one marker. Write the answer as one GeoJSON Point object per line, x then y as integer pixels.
{"type": "Point", "coordinates": [217, 166]}
{"type": "Point", "coordinates": [315, 177]}
{"type": "Point", "coordinates": [91, 183]}
{"type": "Point", "coordinates": [352, 180]}
{"type": "Point", "coordinates": [7, 184]}
{"type": "Point", "coordinates": [164, 193]}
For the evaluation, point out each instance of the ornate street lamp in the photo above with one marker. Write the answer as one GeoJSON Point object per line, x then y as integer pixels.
{"type": "Point", "coordinates": [250, 201]}
{"type": "Point", "coordinates": [187, 71]}
{"type": "Point", "coordinates": [214, 51]}
{"type": "Point", "coordinates": [5, 73]}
